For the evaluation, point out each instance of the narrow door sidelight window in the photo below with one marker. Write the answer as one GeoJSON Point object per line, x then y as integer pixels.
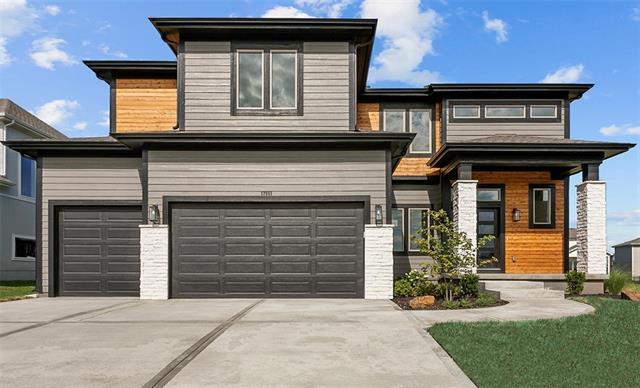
{"type": "Point", "coordinates": [541, 206]}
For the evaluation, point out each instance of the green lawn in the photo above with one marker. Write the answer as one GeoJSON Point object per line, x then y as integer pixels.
{"type": "Point", "coordinates": [595, 350]}
{"type": "Point", "coordinates": [16, 289]}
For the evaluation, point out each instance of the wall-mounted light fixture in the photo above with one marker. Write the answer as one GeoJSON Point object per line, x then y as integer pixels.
{"type": "Point", "coordinates": [154, 214]}
{"type": "Point", "coordinates": [378, 215]}
{"type": "Point", "coordinates": [515, 215]}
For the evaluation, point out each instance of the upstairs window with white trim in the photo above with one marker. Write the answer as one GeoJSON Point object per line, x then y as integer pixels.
{"type": "Point", "coordinates": [417, 121]}
{"type": "Point", "coordinates": [543, 111]}
{"type": "Point", "coordinates": [27, 177]}
{"type": "Point", "coordinates": [504, 111]}
{"type": "Point", "coordinates": [466, 111]}
{"type": "Point", "coordinates": [266, 82]}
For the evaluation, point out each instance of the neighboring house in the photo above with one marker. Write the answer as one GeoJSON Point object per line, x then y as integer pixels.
{"type": "Point", "coordinates": [627, 257]}
{"type": "Point", "coordinates": [258, 164]}
{"type": "Point", "coordinates": [18, 184]}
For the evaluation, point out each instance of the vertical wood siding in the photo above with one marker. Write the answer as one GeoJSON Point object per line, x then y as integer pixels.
{"type": "Point", "coordinates": [326, 98]}
{"type": "Point", "coordinates": [145, 105]}
{"type": "Point", "coordinates": [283, 173]}
{"type": "Point", "coordinates": [538, 251]}
{"type": "Point", "coordinates": [114, 178]}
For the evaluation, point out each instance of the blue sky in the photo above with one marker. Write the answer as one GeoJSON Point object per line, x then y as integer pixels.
{"type": "Point", "coordinates": [42, 45]}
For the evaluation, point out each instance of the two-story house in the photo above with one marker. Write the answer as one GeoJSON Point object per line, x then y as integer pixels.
{"type": "Point", "coordinates": [18, 192]}
{"type": "Point", "coordinates": [259, 164]}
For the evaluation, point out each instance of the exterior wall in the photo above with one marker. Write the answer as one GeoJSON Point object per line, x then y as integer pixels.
{"type": "Point", "coordinates": [461, 131]}
{"type": "Point", "coordinates": [154, 262]}
{"type": "Point", "coordinates": [368, 116]}
{"type": "Point", "coordinates": [623, 258]}
{"type": "Point", "coordinates": [636, 263]}
{"type": "Point", "coordinates": [326, 94]}
{"type": "Point", "coordinates": [145, 105]}
{"type": "Point", "coordinates": [378, 262]}
{"type": "Point", "coordinates": [85, 178]}
{"type": "Point", "coordinates": [280, 172]}
{"type": "Point", "coordinates": [536, 250]}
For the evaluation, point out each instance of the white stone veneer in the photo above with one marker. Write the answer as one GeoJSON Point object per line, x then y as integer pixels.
{"type": "Point", "coordinates": [591, 231]}
{"type": "Point", "coordinates": [378, 262]}
{"type": "Point", "coordinates": [464, 208]}
{"type": "Point", "coordinates": [154, 262]}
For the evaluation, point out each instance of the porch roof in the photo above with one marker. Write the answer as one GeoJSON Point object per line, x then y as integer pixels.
{"type": "Point", "coordinates": [562, 156]}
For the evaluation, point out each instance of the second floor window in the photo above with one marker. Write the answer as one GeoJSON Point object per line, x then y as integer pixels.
{"type": "Point", "coordinates": [267, 81]}
{"type": "Point", "coordinates": [411, 120]}
{"type": "Point", "coordinates": [27, 177]}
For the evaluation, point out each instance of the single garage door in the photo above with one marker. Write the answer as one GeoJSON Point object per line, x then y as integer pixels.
{"type": "Point", "coordinates": [99, 251]}
{"type": "Point", "coordinates": [267, 250]}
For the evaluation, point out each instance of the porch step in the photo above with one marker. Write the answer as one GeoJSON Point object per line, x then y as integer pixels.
{"type": "Point", "coordinates": [512, 284]}
{"type": "Point", "coordinates": [514, 290]}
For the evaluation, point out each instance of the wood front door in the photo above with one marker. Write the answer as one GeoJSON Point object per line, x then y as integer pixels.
{"type": "Point", "coordinates": [489, 224]}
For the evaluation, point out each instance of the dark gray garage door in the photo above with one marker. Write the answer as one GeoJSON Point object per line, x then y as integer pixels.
{"type": "Point", "coordinates": [99, 251]}
{"type": "Point", "coordinates": [267, 250]}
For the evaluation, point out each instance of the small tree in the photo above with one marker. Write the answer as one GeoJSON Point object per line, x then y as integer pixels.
{"type": "Point", "coordinates": [452, 251]}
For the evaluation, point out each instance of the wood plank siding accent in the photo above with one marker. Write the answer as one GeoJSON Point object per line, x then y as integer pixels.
{"type": "Point", "coordinates": [368, 116]}
{"type": "Point", "coordinates": [461, 131]}
{"type": "Point", "coordinates": [99, 178]}
{"type": "Point", "coordinates": [538, 251]}
{"type": "Point", "coordinates": [145, 105]}
{"type": "Point", "coordinates": [325, 83]}
{"type": "Point", "coordinates": [280, 173]}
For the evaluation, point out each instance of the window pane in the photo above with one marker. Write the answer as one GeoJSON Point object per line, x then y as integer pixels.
{"type": "Point", "coordinates": [485, 215]}
{"type": "Point", "coordinates": [488, 194]}
{"type": "Point", "coordinates": [417, 220]}
{"type": "Point", "coordinates": [466, 111]}
{"type": "Point", "coordinates": [249, 80]}
{"type": "Point", "coordinates": [24, 247]}
{"type": "Point", "coordinates": [486, 229]}
{"type": "Point", "coordinates": [504, 111]}
{"type": "Point", "coordinates": [420, 125]}
{"type": "Point", "coordinates": [27, 177]}
{"type": "Point", "coordinates": [283, 80]}
{"type": "Point", "coordinates": [398, 235]}
{"type": "Point", "coordinates": [543, 111]}
{"type": "Point", "coordinates": [394, 121]}
{"type": "Point", "coordinates": [542, 206]}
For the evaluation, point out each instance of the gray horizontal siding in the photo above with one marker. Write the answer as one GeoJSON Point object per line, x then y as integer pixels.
{"type": "Point", "coordinates": [426, 195]}
{"type": "Point", "coordinates": [284, 173]}
{"type": "Point", "coordinates": [457, 132]}
{"type": "Point", "coordinates": [85, 179]}
{"type": "Point", "coordinates": [403, 264]}
{"type": "Point", "coordinates": [208, 90]}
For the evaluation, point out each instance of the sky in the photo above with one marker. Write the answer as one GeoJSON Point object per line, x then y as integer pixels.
{"type": "Point", "coordinates": [43, 43]}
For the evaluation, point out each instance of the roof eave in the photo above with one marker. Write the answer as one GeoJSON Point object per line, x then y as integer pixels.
{"type": "Point", "coordinates": [107, 70]}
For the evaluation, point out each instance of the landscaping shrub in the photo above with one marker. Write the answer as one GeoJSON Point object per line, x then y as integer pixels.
{"type": "Point", "coordinates": [402, 287]}
{"type": "Point", "coordinates": [485, 299]}
{"type": "Point", "coordinates": [615, 283]}
{"type": "Point", "coordinates": [414, 283]}
{"type": "Point", "coordinates": [469, 284]}
{"type": "Point", "coordinates": [465, 303]}
{"type": "Point", "coordinates": [442, 288]}
{"type": "Point", "coordinates": [450, 304]}
{"type": "Point", "coordinates": [575, 282]}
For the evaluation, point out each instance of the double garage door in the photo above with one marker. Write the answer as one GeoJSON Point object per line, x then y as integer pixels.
{"type": "Point", "coordinates": [220, 250]}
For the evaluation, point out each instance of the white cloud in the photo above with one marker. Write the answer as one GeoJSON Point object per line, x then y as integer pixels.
{"type": "Point", "coordinates": [45, 52]}
{"type": "Point", "coordinates": [106, 50]}
{"type": "Point", "coordinates": [563, 75]}
{"type": "Point", "coordinates": [496, 25]}
{"type": "Point", "coordinates": [52, 10]}
{"type": "Point", "coordinates": [5, 58]}
{"type": "Point", "coordinates": [57, 111]}
{"type": "Point", "coordinates": [17, 17]}
{"type": "Point", "coordinates": [627, 218]}
{"type": "Point", "coordinates": [623, 129]}
{"type": "Point", "coordinates": [407, 32]}
{"type": "Point", "coordinates": [80, 125]}
{"type": "Point", "coordinates": [329, 8]}
{"type": "Point", "coordinates": [104, 122]}
{"type": "Point", "coordinates": [285, 12]}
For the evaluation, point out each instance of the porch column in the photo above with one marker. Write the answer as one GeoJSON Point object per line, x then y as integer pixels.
{"type": "Point", "coordinates": [154, 261]}
{"type": "Point", "coordinates": [465, 205]}
{"type": "Point", "coordinates": [592, 219]}
{"type": "Point", "coordinates": [378, 261]}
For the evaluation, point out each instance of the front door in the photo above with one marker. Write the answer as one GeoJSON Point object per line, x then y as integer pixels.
{"type": "Point", "coordinates": [490, 256]}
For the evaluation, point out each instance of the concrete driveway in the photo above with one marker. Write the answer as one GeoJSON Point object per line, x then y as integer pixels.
{"type": "Point", "coordinates": [237, 342]}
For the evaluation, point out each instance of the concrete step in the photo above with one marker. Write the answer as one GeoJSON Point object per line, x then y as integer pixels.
{"type": "Point", "coordinates": [512, 284]}
{"type": "Point", "coordinates": [515, 294]}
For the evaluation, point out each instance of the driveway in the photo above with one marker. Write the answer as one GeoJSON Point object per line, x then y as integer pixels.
{"type": "Point", "coordinates": [236, 342]}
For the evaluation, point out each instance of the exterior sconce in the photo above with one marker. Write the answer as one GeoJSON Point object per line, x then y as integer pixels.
{"type": "Point", "coordinates": [515, 215]}
{"type": "Point", "coordinates": [378, 215]}
{"type": "Point", "coordinates": [154, 214]}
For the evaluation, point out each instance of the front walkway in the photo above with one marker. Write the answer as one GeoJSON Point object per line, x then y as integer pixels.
{"type": "Point", "coordinates": [516, 310]}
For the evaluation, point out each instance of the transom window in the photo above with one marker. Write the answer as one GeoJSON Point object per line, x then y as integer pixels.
{"type": "Point", "coordinates": [543, 111]}
{"type": "Point", "coordinates": [417, 121]}
{"type": "Point", "coordinates": [411, 219]}
{"type": "Point", "coordinates": [266, 81]}
{"type": "Point", "coordinates": [466, 111]}
{"type": "Point", "coordinates": [541, 206]}
{"type": "Point", "coordinates": [489, 194]}
{"type": "Point", "coordinates": [504, 111]}
{"type": "Point", "coordinates": [27, 177]}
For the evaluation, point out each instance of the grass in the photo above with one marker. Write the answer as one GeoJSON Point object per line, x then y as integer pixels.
{"type": "Point", "coordinates": [16, 289]}
{"type": "Point", "coordinates": [635, 286]}
{"type": "Point", "coordinates": [594, 350]}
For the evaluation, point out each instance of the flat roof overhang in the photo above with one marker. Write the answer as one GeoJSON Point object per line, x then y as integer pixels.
{"type": "Point", "coordinates": [108, 70]}
{"type": "Point", "coordinates": [561, 159]}
{"type": "Point", "coordinates": [71, 147]}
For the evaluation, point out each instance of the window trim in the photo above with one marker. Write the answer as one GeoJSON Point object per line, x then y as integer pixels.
{"type": "Point", "coordinates": [237, 55]}
{"type": "Point", "coordinates": [555, 111]}
{"type": "Point", "coordinates": [466, 117]}
{"type": "Point", "coordinates": [402, 229]}
{"type": "Point", "coordinates": [13, 247]}
{"type": "Point", "coordinates": [35, 174]}
{"type": "Point", "coordinates": [523, 106]}
{"type": "Point", "coordinates": [295, 78]}
{"type": "Point", "coordinates": [405, 227]}
{"type": "Point", "coordinates": [429, 131]}
{"type": "Point", "coordinates": [552, 204]}
{"type": "Point", "coordinates": [3, 150]}
{"type": "Point", "coordinates": [408, 210]}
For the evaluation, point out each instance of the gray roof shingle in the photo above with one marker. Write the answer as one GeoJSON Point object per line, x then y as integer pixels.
{"type": "Point", "coordinates": [13, 111]}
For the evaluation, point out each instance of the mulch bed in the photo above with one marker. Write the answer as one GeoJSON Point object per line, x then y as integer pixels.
{"type": "Point", "coordinates": [403, 302]}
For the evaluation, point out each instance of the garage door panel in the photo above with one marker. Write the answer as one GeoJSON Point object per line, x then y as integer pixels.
{"type": "Point", "coordinates": [99, 251]}
{"type": "Point", "coordinates": [267, 249]}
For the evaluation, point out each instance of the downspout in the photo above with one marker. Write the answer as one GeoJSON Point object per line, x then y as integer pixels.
{"type": "Point", "coordinates": [355, 86]}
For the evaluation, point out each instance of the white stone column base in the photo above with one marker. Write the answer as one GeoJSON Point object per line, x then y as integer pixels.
{"type": "Point", "coordinates": [464, 199]}
{"type": "Point", "coordinates": [154, 262]}
{"type": "Point", "coordinates": [378, 262]}
{"type": "Point", "coordinates": [591, 229]}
